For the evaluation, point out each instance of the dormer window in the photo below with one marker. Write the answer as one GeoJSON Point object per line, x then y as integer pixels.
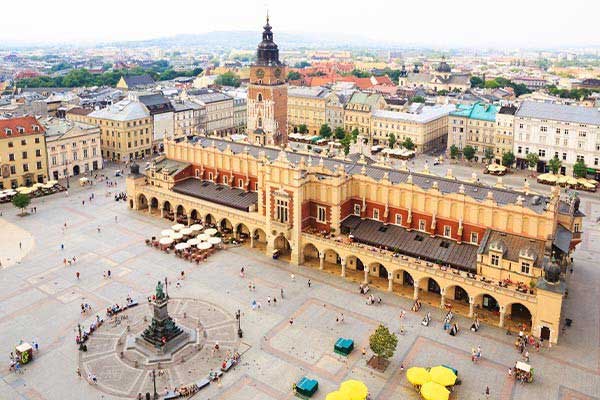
{"type": "Point", "coordinates": [8, 131]}
{"type": "Point", "coordinates": [20, 129]}
{"type": "Point", "coordinates": [35, 128]}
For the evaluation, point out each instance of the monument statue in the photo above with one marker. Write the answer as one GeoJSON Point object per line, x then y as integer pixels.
{"type": "Point", "coordinates": [160, 295]}
{"type": "Point", "coordinates": [162, 329]}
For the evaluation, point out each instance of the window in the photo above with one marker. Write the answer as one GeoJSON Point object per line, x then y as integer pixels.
{"type": "Point", "coordinates": [240, 183]}
{"type": "Point", "coordinates": [575, 227]}
{"type": "Point", "coordinates": [357, 209]}
{"type": "Point", "coordinates": [259, 97]}
{"type": "Point", "coordinates": [422, 225]}
{"type": "Point", "coordinates": [13, 169]}
{"type": "Point", "coordinates": [519, 149]}
{"type": "Point", "coordinates": [474, 237]}
{"type": "Point", "coordinates": [447, 231]}
{"type": "Point", "coordinates": [24, 155]}
{"type": "Point", "coordinates": [11, 157]}
{"type": "Point", "coordinates": [23, 142]}
{"type": "Point", "coordinates": [376, 214]}
{"type": "Point", "coordinates": [542, 153]}
{"type": "Point", "coordinates": [321, 214]}
{"type": "Point", "coordinates": [25, 167]}
{"type": "Point", "coordinates": [210, 176]}
{"type": "Point", "coordinates": [564, 156]}
{"type": "Point", "coordinates": [256, 186]}
{"type": "Point", "coordinates": [39, 165]}
{"type": "Point", "coordinates": [38, 153]}
{"type": "Point", "coordinates": [10, 144]}
{"type": "Point", "coordinates": [525, 268]}
{"type": "Point", "coordinates": [495, 259]}
{"type": "Point", "coordinates": [225, 179]}
{"type": "Point", "coordinates": [543, 128]}
{"type": "Point", "coordinates": [282, 211]}
{"type": "Point", "coordinates": [85, 153]}
{"type": "Point", "coordinates": [398, 219]}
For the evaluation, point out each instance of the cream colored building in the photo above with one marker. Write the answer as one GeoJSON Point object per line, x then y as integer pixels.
{"type": "Point", "coordinates": [219, 107]}
{"type": "Point", "coordinates": [503, 140]}
{"type": "Point", "coordinates": [473, 125]}
{"type": "Point", "coordinates": [426, 126]}
{"type": "Point", "coordinates": [307, 106]}
{"type": "Point", "coordinates": [73, 148]}
{"type": "Point", "coordinates": [23, 159]}
{"type": "Point", "coordinates": [358, 112]}
{"type": "Point", "coordinates": [126, 130]}
{"type": "Point", "coordinates": [442, 78]}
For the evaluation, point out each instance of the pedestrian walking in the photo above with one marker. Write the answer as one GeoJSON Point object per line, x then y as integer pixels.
{"type": "Point", "coordinates": [268, 300]}
{"type": "Point", "coordinates": [487, 392]}
{"type": "Point", "coordinates": [281, 293]}
{"type": "Point", "coordinates": [293, 277]}
{"type": "Point", "coordinates": [291, 321]}
{"type": "Point", "coordinates": [116, 219]}
{"type": "Point", "coordinates": [309, 283]}
{"type": "Point", "coordinates": [78, 372]}
{"type": "Point", "coordinates": [77, 274]}
{"type": "Point", "coordinates": [20, 246]}
{"type": "Point", "coordinates": [108, 273]}
{"type": "Point", "coordinates": [62, 246]}
{"type": "Point", "coordinates": [98, 228]}
{"type": "Point", "coordinates": [274, 300]}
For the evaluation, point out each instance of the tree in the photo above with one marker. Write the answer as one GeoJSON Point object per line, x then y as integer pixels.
{"type": "Point", "coordinates": [21, 201]}
{"type": "Point", "coordinates": [476, 82]}
{"type": "Point", "coordinates": [454, 152]}
{"type": "Point", "coordinates": [302, 128]}
{"type": "Point", "coordinates": [469, 152]}
{"type": "Point", "coordinates": [325, 131]}
{"type": "Point", "coordinates": [339, 133]}
{"type": "Point", "coordinates": [293, 76]}
{"type": "Point", "coordinates": [392, 140]}
{"type": "Point", "coordinates": [442, 92]}
{"type": "Point", "coordinates": [488, 154]}
{"type": "Point", "coordinates": [360, 74]}
{"type": "Point", "coordinates": [554, 164]}
{"type": "Point", "coordinates": [383, 343]}
{"type": "Point", "coordinates": [302, 64]}
{"type": "Point", "coordinates": [580, 169]}
{"type": "Point", "coordinates": [508, 159]}
{"type": "Point", "coordinates": [408, 144]}
{"type": "Point", "coordinates": [228, 79]}
{"type": "Point", "coordinates": [417, 99]}
{"type": "Point", "coordinates": [532, 160]}
{"type": "Point", "coordinates": [354, 134]}
{"type": "Point", "coordinates": [345, 142]}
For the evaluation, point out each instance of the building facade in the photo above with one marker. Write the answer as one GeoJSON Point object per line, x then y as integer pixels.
{"type": "Point", "coordinates": [162, 114]}
{"type": "Point", "coordinates": [307, 106]}
{"type": "Point", "coordinates": [474, 125]}
{"type": "Point", "coordinates": [219, 111]}
{"type": "Point", "coordinates": [442, 78]}
{"type": "Point", "coordinates": [267, 94]}
{"type": "Point", "coordinates": [570, 133]}
{"type": "Point", "coordinates": [73, 148]}
{"type": "Point", "coordinates": [126, 130]}
{"type": "Point", "coordinates": [505, 124]}
{"type": "Point", "coordinates": [426, 126]}
{"type": "Point", "coordinates": [358, 112]}
{"type": "Point", "coordinates": [23, 158]}
{"type": "Point", "coordinates": [187, 117]}
{"type": "Point", "coordinates": [484, 250]}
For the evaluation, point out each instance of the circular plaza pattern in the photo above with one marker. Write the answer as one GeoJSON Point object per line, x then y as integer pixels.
{"type": "Point", "coordinates": [125, 373]}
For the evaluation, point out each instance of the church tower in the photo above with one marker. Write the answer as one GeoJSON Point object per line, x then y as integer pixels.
{"type": "Point", "coordinates": [267, 94]}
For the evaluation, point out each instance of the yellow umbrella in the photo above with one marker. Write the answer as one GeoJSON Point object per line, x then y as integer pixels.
{"type": "Point", "coordinates": [571, 181]}
{"type": "Point", "coordinates": [548, 177]}
{"type": "Point", "coordinates": [337, 396]}
{"type": "Point", "coordinates": [442, 375]}
{"type": "Point", "coordinates": [417, 375]}
{"type": "Point", "coordinates": [561, 179]}
{"type": "Point", "coordinates": [434, 391]}
{"type": "Point", "coordinates": [356, 390]}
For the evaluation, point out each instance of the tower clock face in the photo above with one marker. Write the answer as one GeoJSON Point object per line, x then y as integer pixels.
{"type": "Point", "coordinates": [260, 73]}
{"type": "Point", "coordinates": [277, 72]}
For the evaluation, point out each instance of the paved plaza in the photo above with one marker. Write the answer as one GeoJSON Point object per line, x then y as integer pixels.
{"type": "Point", "coordinates": [40, 300]}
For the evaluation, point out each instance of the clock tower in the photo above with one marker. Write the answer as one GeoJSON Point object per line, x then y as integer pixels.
{"type": "Point", "coordinates": [267, 94]}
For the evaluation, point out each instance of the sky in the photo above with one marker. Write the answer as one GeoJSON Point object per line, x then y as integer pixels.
{"type": "Point", "coordinates": [437, 23]}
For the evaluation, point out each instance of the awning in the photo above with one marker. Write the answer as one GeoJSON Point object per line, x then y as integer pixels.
{"type": "Point", "coordinates": [563, 239]}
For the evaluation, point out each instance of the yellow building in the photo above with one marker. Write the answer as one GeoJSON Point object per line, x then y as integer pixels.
{"type": "Point", "coordinates": [426, 126]}
{"type": "Point", "coordinates": [23, 159]}
{"type": "Point", "coordinates": [126, 130]}
{"type": "Point", "coordinates": [307, 106]}
{"type": "Point", "coordinates": [503, 140]}
{"type": "Point", "coordinates": [484, 251]}
{"type": "Point", "coordinates": [358, 111]}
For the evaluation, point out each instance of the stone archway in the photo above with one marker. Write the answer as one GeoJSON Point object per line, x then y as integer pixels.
{"type": "Point", "coordinates": [310, 255]}
{"type": "Point", "coordinates": [259, 239]}
{"type": "Point", "coordinates": [168, 211]}
{"type": "Point", "coordinates": [242, 233]}
{"type": "Point", "coordinates": [154, 205]}
{"type": "Point", "coordinates": [518, 317]}
{"type": "Point", "coordinates": [430, 291]}
{"type": "Point", "coordinates": [332, 262]}
{"type": "Point", "coordinates": [458, 298]}
{"type": "Point", "coordinates": [210, 220]}
{"type": "Point", "coordinates": [282, 245]}
{"type": "Point", "coordinates": [76, 170]}
{"type": "Point", "coordinates": [487, 308]}
{"type": "Point", "coordinates": [225, 226]}
{"type": "Point", "coordinates": [195, 217]}
{"type": "Point", "coordinates": [181, 215]}
{"type": "Point", "coordinates": [142, 203]}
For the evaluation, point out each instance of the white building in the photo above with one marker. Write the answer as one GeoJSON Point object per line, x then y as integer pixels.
{"type": "Point", "coordinates": [570, 133]}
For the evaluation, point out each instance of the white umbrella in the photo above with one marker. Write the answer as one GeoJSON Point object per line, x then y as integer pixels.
{"type": "Point", "coordinates": [52, 183]}
{"type": "Point", "coordinates": [210, 231]}
{"type": "Point", "coordinates": [38, 185]}
{"type": "Point", "coordinates": [177, 227]}
{"type": "Point", "coordinates": [196, 227]}
{"type": "Point", "coordinates": [204, 245]}
{"type": "Point", "coordinates": [181, 246]}
{"type": "Point", "coordinates": [177, 236]}
{"type": "Point", "coordinates": [165, 240]}
{"type": "Point", "coordinates": [21, 189]}
{"type": "Point", "coordinates": [186, 231]}
{"type": "Point", "coordinates": [214, 240]}
{"type": "Point", "coordinates": [48, 186]}
{"type": "Point", "coordinates": [10, 192]}
{"type": "Point", "coordinates": [167, 232]}
{"type": "Point", "coordinates": [27, 191]}
{"type": "Point", "coordinates": [203, 237]}
{"type": "Point", "coordinates": [193, 242]}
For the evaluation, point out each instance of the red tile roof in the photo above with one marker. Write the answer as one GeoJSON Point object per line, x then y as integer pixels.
{"type": "Point", "coordinates": [13, 124]}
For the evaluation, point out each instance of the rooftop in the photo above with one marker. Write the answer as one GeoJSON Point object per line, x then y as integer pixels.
{"type": "Point", "coordinates": [29, 126]}
{"type": "Point", "coordinates": [476, 191]}
{"type": "Point", "coordinates": [57, 128]}
{"type": "Point", "coordinates": [138, 80]}
{"type": "Point", "coordinates": [423, 115]}
{"type": "Point", "coordinates": [124, 110]}
{"type": "Point", "coordinates": [559, 112]}
{"type": "Point", "coordinates": [513, 245]}
{"type": "Point", "coordinates": [215, 193]}
{"type": "Point", "coordinates": [308, 91]}
{"type": "Point", "coordinates": [412, 243]}
{"type": "Point", "coordinates": [483, 112]}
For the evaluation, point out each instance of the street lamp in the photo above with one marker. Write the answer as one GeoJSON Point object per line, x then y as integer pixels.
{"type": "Point", "coordinates": [166, 288]}
{"type": "Point", "coordinates": [238, 316]}
{"type": "Point", "coordinates": [154, 383]}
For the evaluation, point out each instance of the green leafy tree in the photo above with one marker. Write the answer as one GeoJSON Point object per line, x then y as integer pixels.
{"type": "Point", "coordinates": [325, 131]}
{"type": "Point", "coordinates": [417, 99]}
{"type": "Point", "coordinates": [354, 134]}
{"type": "Point", "coordinates": [228, 79]}
{"type": "Point", "coordinates": [469, 152]}
{"type": "Point", "coordinates": [360, 74]}
{"type": "Point", "coordinates": [302, 128]}
{"type": "Point", "coordinates": [293, 76]}
{"type": "Point", "coordinates": [532, 160]}
{"type": "Point", "coordinates": [580, 169]}
{"type": "Point", "coordinates": [454, 152]}
{"type": "Point", "coordinates": [339, 133]}
{"type": "Point", "coordinates": [345, 142]}
{"type": "Point", "coordinates": [488, 154]}
{"type": "Point", "coordinates": [383, 343]}
{"type": "Point", "coordinates": [508, 159]}
{"type": "Point", "coordinates": [442, 92]}
{"type": "Point", "coordinates": [408, 144]}
{"type": "Point", "coordinates": [21, 201]}
{"type": "Point", "coordinates": [392, 140]}
{"type": "Point", "coordinates": [476, 82]}
{"type": "Point", "coordinates": [554, 164]}
{"type": "Point", "coordinates": [302, 64]}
